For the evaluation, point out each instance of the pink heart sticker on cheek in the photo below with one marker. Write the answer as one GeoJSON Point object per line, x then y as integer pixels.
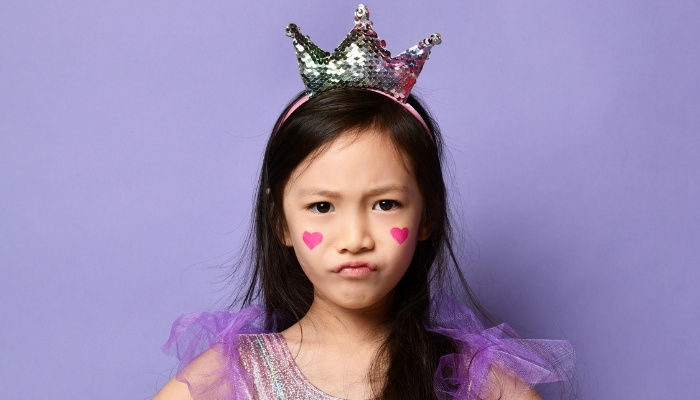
{"type": "Point", "coordinates": [312, 239]}
{"type": "Point", "coordinates": [400, 234]}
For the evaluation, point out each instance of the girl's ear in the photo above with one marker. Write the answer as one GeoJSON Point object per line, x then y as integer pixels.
{"type": "Point", "coordinates": [425, 230]}
{"type": "Point", "coordinates": [285, 237]}
{"type": "Point", "coordinates": [280, 226]}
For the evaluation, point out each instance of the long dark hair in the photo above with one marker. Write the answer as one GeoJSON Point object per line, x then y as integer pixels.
{"type": "Point", "coordinates": [406, 362]}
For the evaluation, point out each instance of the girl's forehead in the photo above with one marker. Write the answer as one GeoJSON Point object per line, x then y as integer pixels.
{"type": "Point", "coordinates": [369, 151]}
{"type": "Point", "coordinates": [354, 141]}
{"type": "Point", "coordinates": [373, 136]}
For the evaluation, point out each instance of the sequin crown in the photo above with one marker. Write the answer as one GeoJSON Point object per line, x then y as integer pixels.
{"type": "Point", "coordinates": [360, 61]}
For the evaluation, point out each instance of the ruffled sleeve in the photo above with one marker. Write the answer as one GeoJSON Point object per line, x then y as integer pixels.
{"type": "Point", "coordinates": [206, 345]}
{"type": "Point", "coordinates": [485, 354]}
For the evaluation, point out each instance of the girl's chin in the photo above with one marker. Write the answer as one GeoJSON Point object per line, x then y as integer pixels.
{"type": "Point", "coordinates": [356, 302]}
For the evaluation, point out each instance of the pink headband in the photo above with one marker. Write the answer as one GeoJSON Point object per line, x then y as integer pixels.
{"type": "Point", "coordinates": [303, 99]}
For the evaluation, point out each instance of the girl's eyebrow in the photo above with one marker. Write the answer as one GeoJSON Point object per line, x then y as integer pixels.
{"type": "Point", "coordinates": [403, 189]}
{"type": "Point", "coordinates": [314, 191]}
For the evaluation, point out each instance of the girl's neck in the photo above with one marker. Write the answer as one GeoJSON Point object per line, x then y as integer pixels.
{"type": "Point", "coordinates": [326, 321]}
{"type": "Point", "coordinates": [335, 347]}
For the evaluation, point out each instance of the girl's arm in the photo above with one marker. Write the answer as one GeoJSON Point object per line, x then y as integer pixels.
{"type": "Point", "coordinates": [203, 372]}
{"type": "Point", "coordinates": [174, 390]}
{"type": "Point", "coordinates": [506, 387]}
{"type": "Point", "coordinates": [532, 395]}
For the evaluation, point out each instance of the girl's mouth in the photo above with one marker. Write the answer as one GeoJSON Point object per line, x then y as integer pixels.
{"type": "Point", "coordinates": [355, 269]}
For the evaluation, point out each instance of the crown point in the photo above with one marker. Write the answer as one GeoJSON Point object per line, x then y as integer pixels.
{"type": "Point", "coordinates": [434, 39]}
{"type": "Point", "coordinates": [361, 15]}
{"type": "Point", "coordinates": [292, 30]}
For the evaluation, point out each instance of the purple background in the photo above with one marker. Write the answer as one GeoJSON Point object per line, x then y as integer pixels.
{"type": "Point", "coordinates": [131, 132]}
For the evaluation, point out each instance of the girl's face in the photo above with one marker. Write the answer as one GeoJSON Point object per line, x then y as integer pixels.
{"type": "Point", "coordinates": [353, 216]}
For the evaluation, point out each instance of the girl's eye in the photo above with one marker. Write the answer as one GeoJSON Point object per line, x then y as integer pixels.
{"type": "Point", "coordinates": [385, 205]}
{"type": "Point", "coordinates": [322, 208]}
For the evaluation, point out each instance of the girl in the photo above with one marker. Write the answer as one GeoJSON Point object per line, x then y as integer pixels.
{"type": "Point", "coordinates": [351, 260]}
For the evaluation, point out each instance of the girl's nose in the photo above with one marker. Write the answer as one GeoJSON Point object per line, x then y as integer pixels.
{"type": "Point", "coordinates": [354, 235]}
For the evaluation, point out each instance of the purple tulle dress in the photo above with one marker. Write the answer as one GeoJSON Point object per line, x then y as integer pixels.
{"type": "Point", "coordinates": [225, 355]}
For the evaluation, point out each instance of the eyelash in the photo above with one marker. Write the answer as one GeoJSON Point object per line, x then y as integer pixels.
{"type": "Point", "coordinates": [323, 207]}
{"type": "Point", "coordinates": [378, 205]}
{"type": "Point", "coordinates": [315, 207]}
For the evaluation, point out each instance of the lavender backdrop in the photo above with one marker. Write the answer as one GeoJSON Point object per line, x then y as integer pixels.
{"type": "Point", "coordinates": [131, 131]}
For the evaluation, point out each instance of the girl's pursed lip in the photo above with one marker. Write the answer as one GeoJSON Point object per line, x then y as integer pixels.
{"type": "Point", "coordinates": [355, 265]}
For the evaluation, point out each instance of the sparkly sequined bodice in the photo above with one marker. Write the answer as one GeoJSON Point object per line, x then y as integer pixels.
{"type": "Point", "coordinates": [275, 375]}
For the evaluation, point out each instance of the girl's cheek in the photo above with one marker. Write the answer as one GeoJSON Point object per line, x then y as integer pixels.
{"type": "Point", "coordinates": [399, 234]}
{"type": "Point", "coordinates": [312, 239]}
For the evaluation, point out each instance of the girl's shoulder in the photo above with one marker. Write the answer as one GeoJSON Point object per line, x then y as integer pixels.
{"type": "Point", "coordinates": [207, 345]}
{"type": "Point", "coordinates": [490, 359]}
{"type": "Point", "coordinates": [193, 333]}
